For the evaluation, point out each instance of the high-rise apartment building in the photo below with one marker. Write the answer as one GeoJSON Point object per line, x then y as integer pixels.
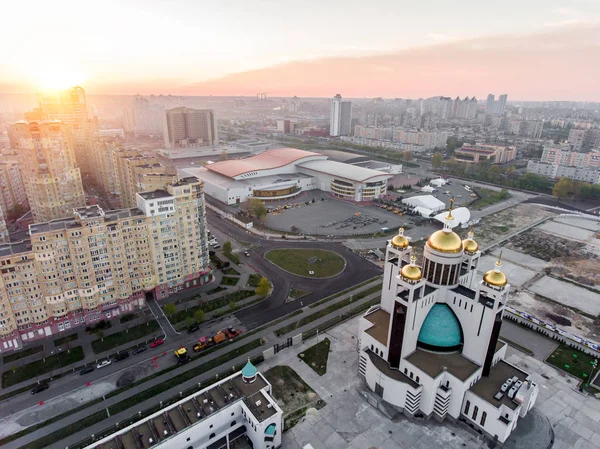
{"type": "Point", "coordinates": [286, 126]}
{"type": "Point", "coordinates": [12, 188]}
{"type": "Point", "coordinates": [50, 173]}
{"type": "Point", "coordinates": [145, 117]}
{"type": "Point", "coordinates": [70, 107]}
{"type": "Point", "coordinates": [190, 127]}
{"type": "Point", "coordinates": [98, 264]}
{"type": "Point", "coordinates": [500, 105]}
{"type": "Point", "coordinates": [340, 117]}
{"type": "Point", "coordinates": [576, 138]}
{"type": "Point", "coordinates": [489, 106]}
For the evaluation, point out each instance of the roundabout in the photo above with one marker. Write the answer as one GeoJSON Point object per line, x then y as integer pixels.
{"type": "Point", "coordinates": [307, 262]}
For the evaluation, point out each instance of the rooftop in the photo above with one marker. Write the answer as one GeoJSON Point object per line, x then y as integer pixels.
{"type": "Point", "coordinates": [345, 171]}
{"type": "Point", "coordinates": [464, 291]}
{"type": "Point", "coordinates": [266, 160]}
{"type": "Point", "coordinates": [433, 363]}
{"type": "Point", "coordinates": [392, 373]}
{"type": "Point", "coordinates": [381, 320]}
{"type": "Point", "coordinates": [487, 387]}
{"type": "Point", "coordinates": [155, 194]}
{"type": "Point", "coordinates": [191, 410]}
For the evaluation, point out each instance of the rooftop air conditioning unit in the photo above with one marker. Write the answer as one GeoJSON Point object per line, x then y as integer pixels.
{"type": "Point", "coordinates": [258, 403]}
{"type": "Point", "coordinates": [269, 405]}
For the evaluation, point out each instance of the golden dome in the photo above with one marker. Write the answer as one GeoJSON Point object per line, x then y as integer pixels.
{"type": "Point", "coordinates": [411, 271]}
{"type": "Point", "coordinates": [400, 241]}
{"type": "Point", "coordinates": [496, 277]}
{"type": "Point", "coordinates": [470, 245]}
{"type": "Point", "coordinates": [446, 241]}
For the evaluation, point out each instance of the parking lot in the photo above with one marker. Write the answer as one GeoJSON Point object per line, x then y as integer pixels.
{"type": "Point", "coordinates": [455, 188]}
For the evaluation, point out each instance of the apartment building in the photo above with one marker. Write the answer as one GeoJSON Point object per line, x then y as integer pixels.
{"type": "Point", "coordinates": [12, 188]}
{"type": "Point", "coordinates": [190, 127]}
{"type": "Point", "coordinates": [577, 173]}
{"type": "Point", "coordinates": [526, 128]}
{"type": "Point", "coordinates": [99, 264]}
{"type": "Point", "coordinates": [563, 155]}
{"type": "Point", "coordinates": [50, 173]}
{"type": "Point", "coordinates": [374, 132]}
{"type": "Point", "coordinates": [103, 161]}
{"type": "Point", "coordinates": [576, 138]}
{"type": "Point", "coordinates": [429, 140]}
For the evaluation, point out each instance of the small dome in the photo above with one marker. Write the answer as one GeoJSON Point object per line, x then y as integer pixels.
{"type": "Point", "coordinates": [446, 241]}
{"type": "Point", "coordinates": [441, 330]}
{"type": "Point", "coordinates": [470, 245]}
{"type": "Point", "coordinates": [400, 241]}
{"type": "Point", "coordinates": [249, 371]}
{"type": "Point", "coordinates": [495, 278]}
{"type": "Point", "coordinates": [411, 271]}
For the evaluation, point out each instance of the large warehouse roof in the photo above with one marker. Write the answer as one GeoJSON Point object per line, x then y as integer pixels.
{"type": "Point", "coordinates": [345, 171]}
{"type": "Point", "coordinates": [267, 160]}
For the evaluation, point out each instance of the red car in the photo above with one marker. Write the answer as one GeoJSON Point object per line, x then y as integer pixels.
{"type": "Point", "coordinates": [156, 343]}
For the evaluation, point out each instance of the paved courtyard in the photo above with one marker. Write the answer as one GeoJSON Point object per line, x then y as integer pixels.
{"type": "Point", "coordinates": [516, 274]}
{"type": "Point", "coordinates": [567, 294]}
{"type": "Point", "coordinates": [347, 421]}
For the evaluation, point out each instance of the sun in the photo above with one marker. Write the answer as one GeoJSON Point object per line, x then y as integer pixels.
{"type": "Point", "coordinates": [60, 77]}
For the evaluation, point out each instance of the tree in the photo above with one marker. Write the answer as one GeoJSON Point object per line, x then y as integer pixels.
{"type": "Point", "coordinates": [199, 316]}
{"type": "Point", "coordinates": [258, 208]}
{"type": "Point", "coordinates": [170, 309]}
{"type": "Point", "coordinates": [407, 156]}
{"type": "Point", "coordinates": [189, 321]}
{"type": "Point", "coordinates": [16, 211]}
{"type": "Point", "coordinates": [232, 306]}
{"type": "Point", "coordinates": [227, 247]}
{"type": "Point", "coordinates": [436, 160]}
{"type": "Point", "coordinates": [100, 334]}
{"type": "Point", "coordinates": [263, 287]}
{"type": "Point", "coordinates": [562, 188]}
{"type": "Point", "coordinates": [504, 194]}
{"type": "Point", "coordinates": [223, 156]}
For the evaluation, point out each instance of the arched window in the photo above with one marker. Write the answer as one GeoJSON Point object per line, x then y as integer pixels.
{"type": "Point", "coordinates": [417, 379]}
{"type": "Point", "coordinates": [411, 375]}
{"type": "Point", "coordinates": [467, 405]}
{"type": "Point", "coordinates": [405, 371]}
{"type": "Point", "coordinates": [371, 347]}
{"type": "Point", "coordinates": [212, 435]}
{"type": "Point", "coordinates": [475, 410]}
{"type": "Point", "coordinates": [233, 423]}
{"type": "Point", "coordinates": [483, 416]}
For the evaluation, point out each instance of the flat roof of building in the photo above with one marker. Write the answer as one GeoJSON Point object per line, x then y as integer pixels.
{"type": "Point", "coordinates": [266, 160]}
{"type": "Point", "coordinates": [344, 171]}
{"type": "Point", "coordinates": [225, 182]}
{"type": "Point", "coordinates": [487, 387]}
{"type": "Point", "coordinates": [155, 194]}
{"type": "Point", "coordinates": [192, 410]}
{"type": "Point", "coordinates": [392, 373]}
{"type": "Point", "coordinates": [433, 363]}
{"type": "Point", "coordinates": [343, 156]}
{"type": "Point", "coordinates": [381, 324]}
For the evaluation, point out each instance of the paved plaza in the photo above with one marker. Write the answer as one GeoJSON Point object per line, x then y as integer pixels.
{"type": "Point", "coordinates": [347, 421]}
{"type": "Point", "coordinates": [516, 274]}
{"type": "Point", "coordinates": [568, 294]}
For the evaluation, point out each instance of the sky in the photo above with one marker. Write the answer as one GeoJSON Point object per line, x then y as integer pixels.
{"type": "Point", "coordinates": [529, 49]}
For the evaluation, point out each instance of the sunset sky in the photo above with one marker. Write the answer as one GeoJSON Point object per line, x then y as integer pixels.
{"type": "Point", "coordinates": [530, 49]}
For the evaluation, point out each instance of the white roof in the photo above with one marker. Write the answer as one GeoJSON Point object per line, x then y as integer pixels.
{"type": "Point", "coordinates": [461, 215]}
{"type": "Point", "coordinates": [345, 171]}
{"type": "Point", "coordinates": [426, 201]}
{"type": "Point", "coordinates": [438, 182]}
{"type": "Point", "coordinates": [427, 189]}
{"type": "Point", "coordinates": [423, 211]}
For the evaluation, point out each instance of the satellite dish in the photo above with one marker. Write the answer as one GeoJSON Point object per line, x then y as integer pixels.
{"type": "Point", "coordinates": [460, 214]}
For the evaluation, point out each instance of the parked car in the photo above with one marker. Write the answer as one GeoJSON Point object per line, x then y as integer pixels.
{"type": "Point", "coordinates": [39, 388]}
{"type": "Point", "coordinates": [121, 356]}
{"type": "Point", "coordinates": [246, 253]}
{"type": "Point", "coordinates": [87, 370]}
{"type": "Point", "coordinates": [217, 246]}
{"type": "Point", "coordinates": [156, 343]}
{"type": "Point", "coordinates": [193, 329]}
{"type": "Point", "coordinates": [139, 350]}
{"type": "Point", "coordinates": [103, 363]}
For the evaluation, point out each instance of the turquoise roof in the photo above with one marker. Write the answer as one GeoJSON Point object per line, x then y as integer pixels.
{"type": "Point", "coordinates": [440, 329]}
{"type": "Point", "coordinates": [249, 370]}
{"type": "Point", "coordinates": [270, 430]}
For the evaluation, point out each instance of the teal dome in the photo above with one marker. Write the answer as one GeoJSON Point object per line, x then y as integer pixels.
{"type": "Point", "coordinates": [249, 370]}
{"type": "Point", "coordinates": [441, 330]}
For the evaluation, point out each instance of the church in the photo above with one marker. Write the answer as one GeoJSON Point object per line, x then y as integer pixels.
{"type": "Point", "coordinates": [430, 349]}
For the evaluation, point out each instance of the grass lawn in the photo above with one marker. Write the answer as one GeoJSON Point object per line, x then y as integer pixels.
{"type": "Point", "coordinates": [338, 294]}
{"type": "Point", "coordinates": [211, 305]}
{"type": "Point", "coordinates": [216, 290]}
{"type": "Point", "coordinates": [572, 361]}
{"type": "Point", "coordinates": [19, 355]}
{"type": "Point", "coordinates": [486, 197]}
{"type": "Point", "coordinates": [231, 272]}
{"type": "Point", "coordinates": [295, 261]}
{"type": "Point", "coordinates": [233, 257]}
{"type": "Point", "coordinates": [316, 356]}
{"type": "Point", "coordinates": [296, 293]}
{"type": "Point", "coordinates": [40, 367]}
{"type": "Point", "coordinates": [128, 317]}
{"type": "Point", "coordinates": [123, 337]}
{"type": "Point", "coordinates": [228, 280]}
{"type": "Point", "coordinates": [66, 339]}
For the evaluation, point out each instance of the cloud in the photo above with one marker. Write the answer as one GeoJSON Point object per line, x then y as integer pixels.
{"type": "Point", "coordinates": [558, 63]}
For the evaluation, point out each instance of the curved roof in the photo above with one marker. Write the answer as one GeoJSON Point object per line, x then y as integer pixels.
{"type": "Point", "coordinates": [441, 329]}
{"type": "Point", "coordinates": [344, 171]}
{"type": "Point", "coordinates": [446, 241]}
{"type": "Point", "coordinates": [249, 370]}
{"type": "Point", "coordinates": [266, 160]}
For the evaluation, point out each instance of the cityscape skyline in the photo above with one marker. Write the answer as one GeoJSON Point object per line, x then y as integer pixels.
{"type": "Point", "coordinates": [535, 56]}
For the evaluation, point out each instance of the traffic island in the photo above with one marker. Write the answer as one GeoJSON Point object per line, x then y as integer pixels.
{"type": "Point", "coordinates": [307, 262]}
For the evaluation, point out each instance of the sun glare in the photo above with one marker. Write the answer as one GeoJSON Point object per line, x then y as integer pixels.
{"type": "Point", "coordinates": [59, 78]}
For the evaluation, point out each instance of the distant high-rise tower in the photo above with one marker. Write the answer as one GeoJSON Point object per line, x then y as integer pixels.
{"type": "Point", "coordinates": [190, 127]}
{"type": "Point", "coordinates": [69, 106]}
{"type": "Point", "coordinates": [50, 173]}
{"type": "Point", "coordinates": [341, 117]}
{"type": "Point", "coordinates": [500, 104]}
{"type": "Point", "coordinates": [489, 107]}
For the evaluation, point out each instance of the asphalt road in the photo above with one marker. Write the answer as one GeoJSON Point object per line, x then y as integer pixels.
{"type": "Point", "coordinates": [357, 270]}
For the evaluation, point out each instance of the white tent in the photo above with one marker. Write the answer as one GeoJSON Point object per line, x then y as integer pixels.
{"type": "Point", "coordinates": [425, 201]}
{"type": "Point", "coordinates": [461, 215]}
{"type": "Point", "coordinates": [439, 182]}
{"type": "Point", "coordinates": [423, 211]}
{"type": "Point", "coordinates": [427, 189]}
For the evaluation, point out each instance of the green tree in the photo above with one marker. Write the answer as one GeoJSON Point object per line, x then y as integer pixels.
{"type": "Point", "coordinates": [232, 306]}
{"type": "Point", "coordinates": [227, 247]}
{"type": "Point", "coordinates": [199, 316]}
{"type": "Point", "coordinates": [263, 287]}
{"type": "Point", "coordinates": [504, 194]}
{"type": "Point", "coordinates": [436, 160]}
{"type": "Point", "coordinates": [189, 321]}
{"type": "Point", "coordinates": [258, 208]}
{"type": "Point", "coordinates": [170, 309]}
{"type": "Point", "coordinates": [562, 188]}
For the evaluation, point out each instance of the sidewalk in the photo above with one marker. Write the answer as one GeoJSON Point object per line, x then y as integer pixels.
{"type": "Point", "coordinates": [266, 332]}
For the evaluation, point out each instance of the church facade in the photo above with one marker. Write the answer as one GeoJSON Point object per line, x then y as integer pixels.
{"type": "Point", "coordinates": [431, 348]}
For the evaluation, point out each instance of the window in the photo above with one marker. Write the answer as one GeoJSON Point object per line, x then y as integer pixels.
{"type": "Point", "coordinates": [233, 423]}
{"type": "Point", "coordinates": [483, 416]}
{"type": "Point", "coordinates": [417, 379]}
{"type": "Point", "coordinates": [467, 405]}
{"type": "Point", "coordinates": [371, 347]}
{"type": "Point", "coordinates": [475, 410]}
{"type": "Point", "coordinates": [212, 435]}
